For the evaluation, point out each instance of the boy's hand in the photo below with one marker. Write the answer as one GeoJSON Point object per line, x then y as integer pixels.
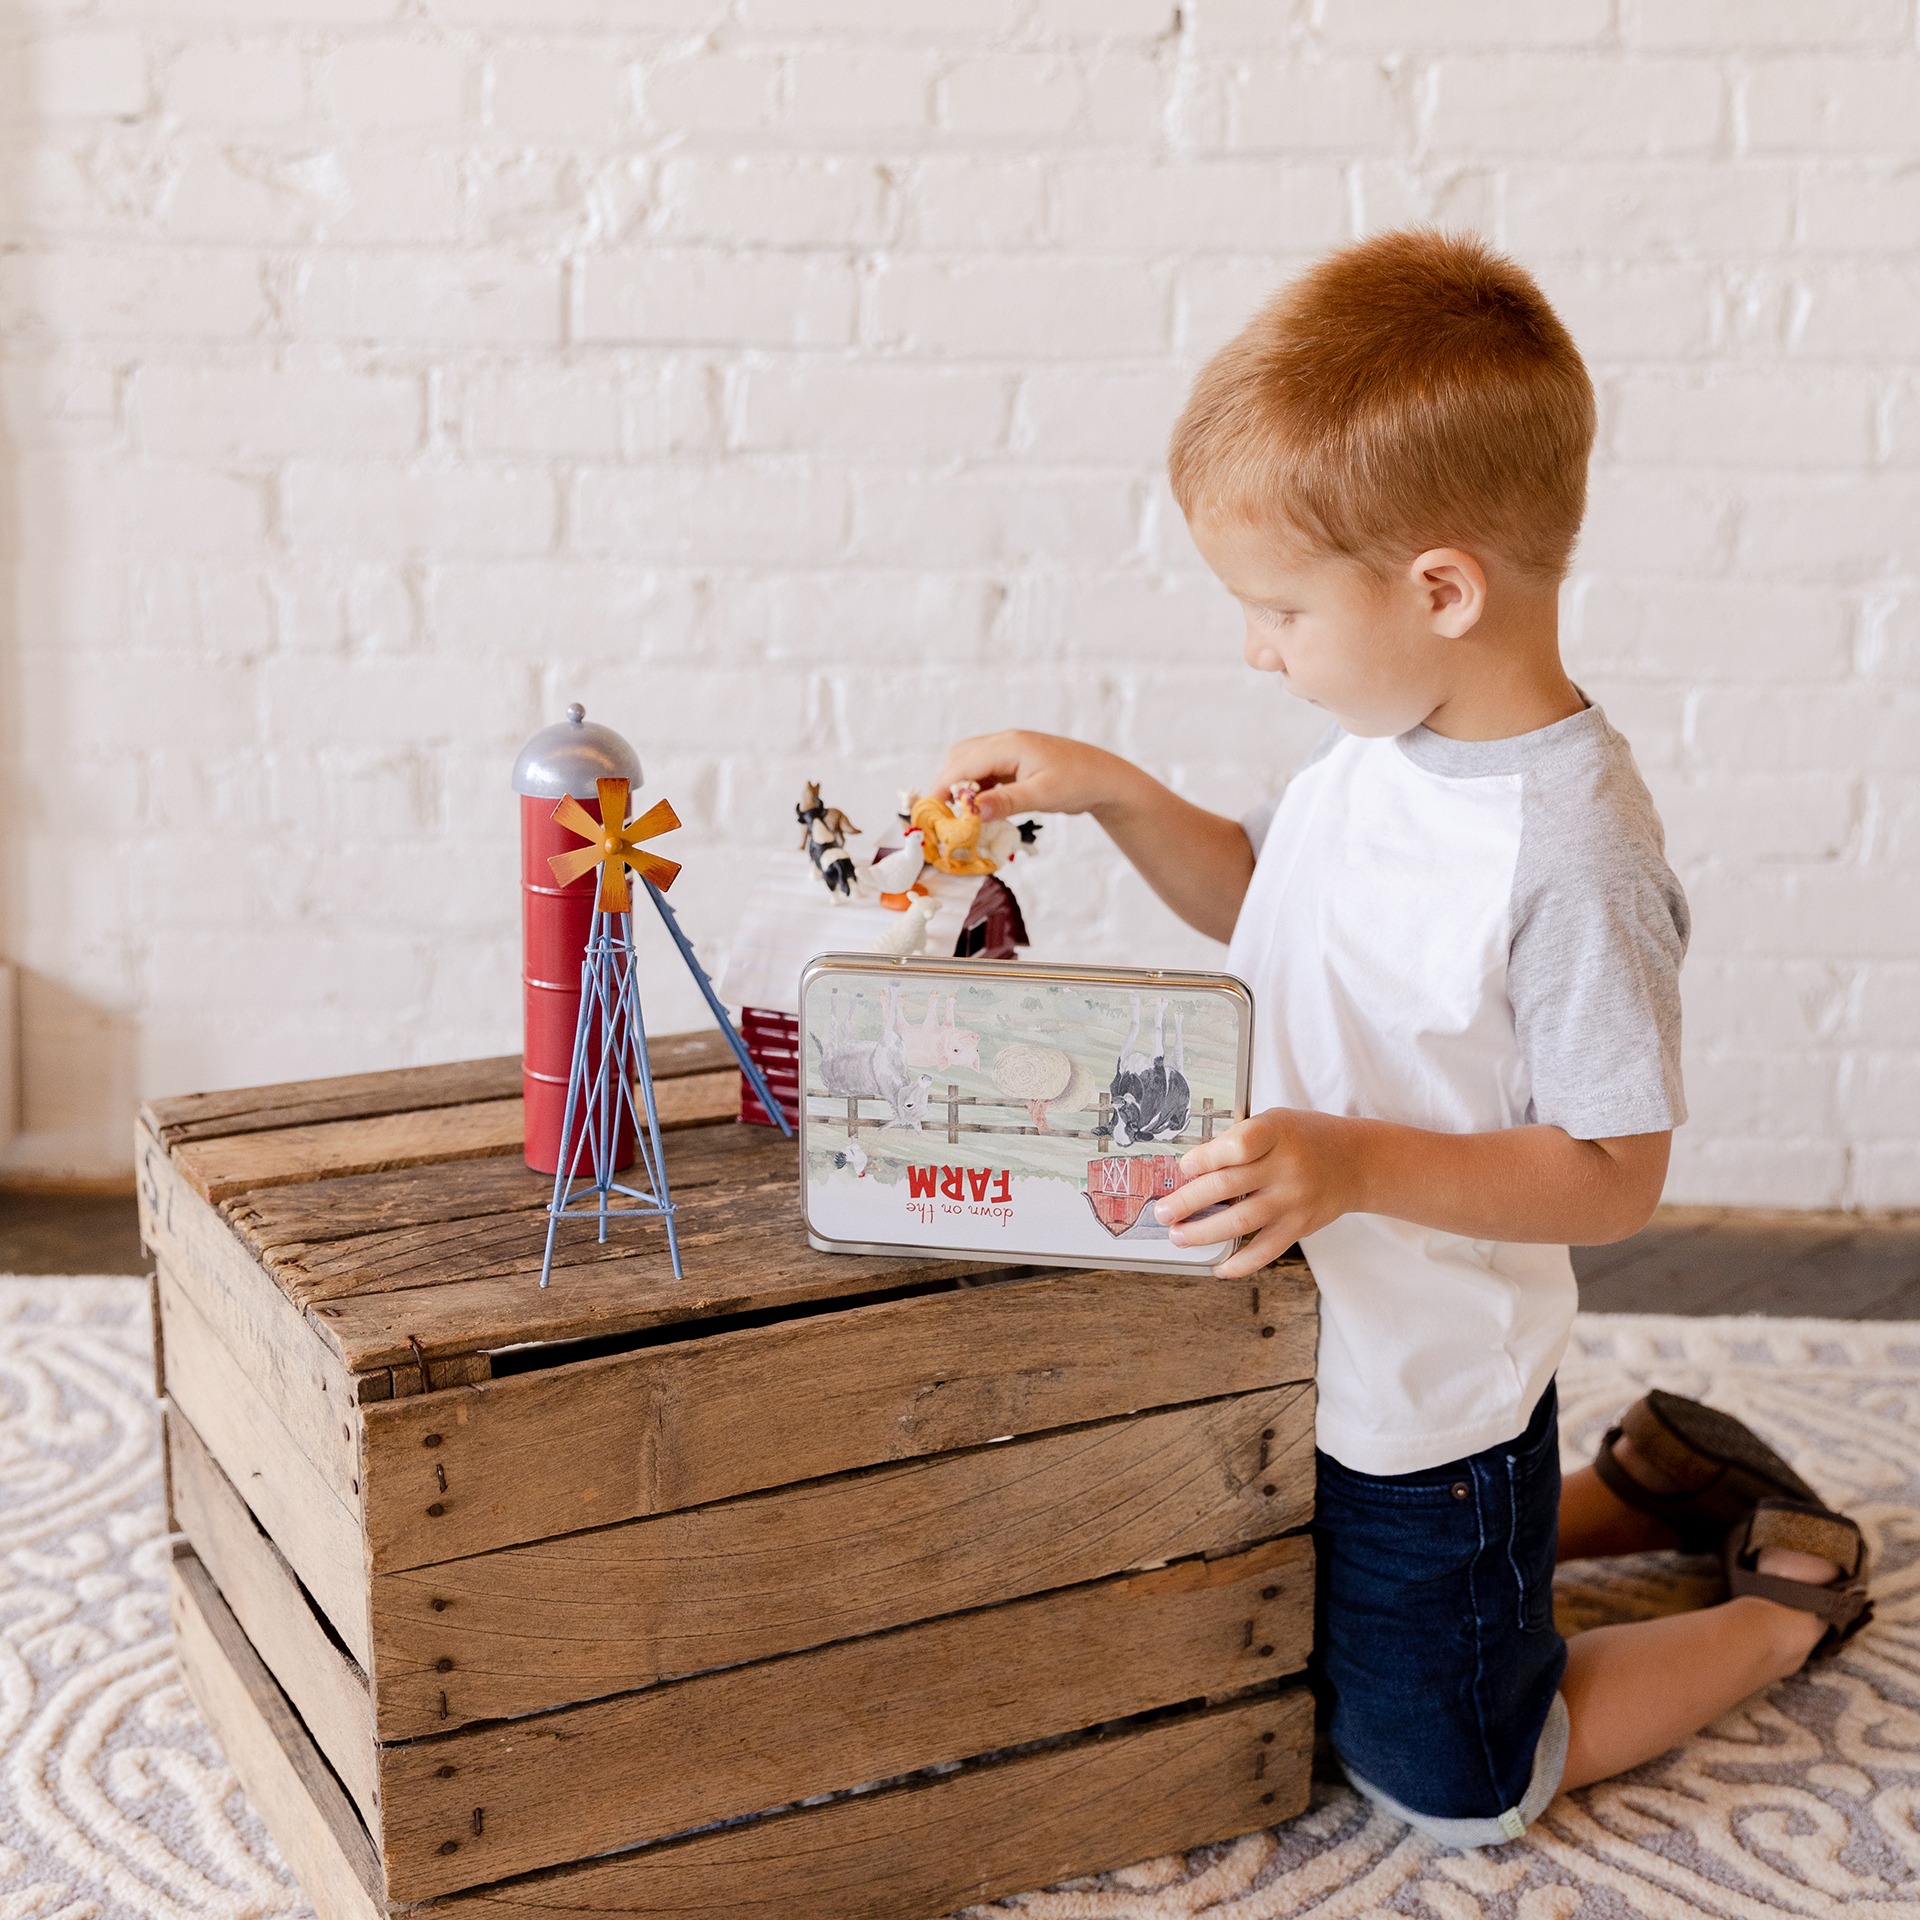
{"type": "Point", "coordinates": [1023, 772]}
{"type": "Point", "coordinates": [1287, 1174]}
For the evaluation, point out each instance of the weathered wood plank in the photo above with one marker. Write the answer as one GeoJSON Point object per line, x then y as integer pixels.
{"type": "Point", "coordinates": [347, 1096]}
{"type": "Point", "coordinates": [733, 1743]}
{"type": "Point", "coordinates": [369, 1203]}
{"type": "Point", "coordinates": [254, 1579]}
{"type": "Point", "coordinates": [224, 1168]}
{"type": "Point", "coordinates": [360, 1096]}
{"type": "Point", "coordinates": [219, 1169]}
{"type": "Point", "coordinates": [924, 1849]}
{"type": "Point", "coordinates": [455, 1253]}
{"type": "Point", "coordinates": [273, 1342]}
{"type": "Point", "coordinates": [457, 1370]}
{"type": "Point", "coordinates": [311, 1819]}
{"type": "Point", "coordinates": [626, 1606]}
{"type": "Point", "coordinates": [776, 1270]}
{"type": "Point", "coordinates": [284, 1489]}
{"type": "Point", "coordinates": [677, 1425]}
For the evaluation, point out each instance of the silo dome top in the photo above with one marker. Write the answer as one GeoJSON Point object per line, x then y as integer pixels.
{"type": "Point", "coordinates": [570, 757]}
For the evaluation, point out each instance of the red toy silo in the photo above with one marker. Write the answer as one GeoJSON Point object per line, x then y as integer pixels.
{"type": "Point", "coordinates": [554, 920]}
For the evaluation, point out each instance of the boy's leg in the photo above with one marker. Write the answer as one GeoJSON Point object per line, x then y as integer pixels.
{"type": "Point", "coordinates": [1674, 1473]}
{"type": "Point", "coordinates": [1596, 1523]}
{"type": "Point", "coordinates": [1634, 1691]}
{"type": "Point", "coordinates": [1436, 1643]}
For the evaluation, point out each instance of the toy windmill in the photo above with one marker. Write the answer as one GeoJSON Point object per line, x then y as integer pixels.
{"type": "Point", "coordinates": [610, 1040]}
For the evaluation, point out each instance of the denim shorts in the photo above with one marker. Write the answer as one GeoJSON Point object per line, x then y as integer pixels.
{"type": "Point", "coordinates": [1436, 1640]}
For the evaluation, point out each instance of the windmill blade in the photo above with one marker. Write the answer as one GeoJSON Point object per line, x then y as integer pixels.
{"type": "Point", "coordinates": [576, 819]}
{"type": "Point", "coordinates": [658, 818]}
{"type": "Point", "coordinates": [614, 897]}
{"type": "Point", "coordinates": [613, 801]}
{"type": "Point", "coordinates": [568, 867]}
{"type": "Point", "coordinates": [649, 866]}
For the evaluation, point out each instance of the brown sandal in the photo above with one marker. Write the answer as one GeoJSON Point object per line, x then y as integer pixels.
{"type": "Point", "coordinates": [1721, 1469]}
{"type": "Point", "coordinates": [1807, 1528]}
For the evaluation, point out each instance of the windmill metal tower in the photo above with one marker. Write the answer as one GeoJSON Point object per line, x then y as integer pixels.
{"type": "Point", "coordinates": [601, 1116]}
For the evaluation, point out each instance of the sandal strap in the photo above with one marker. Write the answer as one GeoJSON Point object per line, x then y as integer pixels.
{"type": "Point", "coordinates": [1843, 1604]}
{"type": "Point", "coordinates": [1623, 1486]}
{"type": "Point", "coordinates": [1678, 1511]}
{"type": "Point", "coordinates": [1839, 1607]}
{"type": "Point", "coordinates": [1666, 1452]}
{"type": "Point", "coordinates": [1830, 1535]}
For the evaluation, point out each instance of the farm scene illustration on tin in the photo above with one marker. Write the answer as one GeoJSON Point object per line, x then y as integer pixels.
{"type": "Point", "coordinates": [1043, 1114]}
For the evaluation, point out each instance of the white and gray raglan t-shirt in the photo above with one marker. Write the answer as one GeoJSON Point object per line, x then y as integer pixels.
{"type": "Point", "coordinates": [1462, 935]}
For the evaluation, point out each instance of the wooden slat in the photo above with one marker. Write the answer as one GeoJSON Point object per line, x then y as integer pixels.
{"type": "Point", "coordinates": [282, 1487]}
{"type": "Point", "coordinates": [925, 1849]}
{"type": "Point", "coordinates": [625, 1606]}
{"type": "Point", "coordinates": [678, 1425]}
{"type": "Point", "coordinates": [372, 1203]}
{"type": "Point", "coordinates": [448, 1255]}
{"type": "Point", "coordinates": [458, 1370]}
{"type": "Point", "coordinates": [347, 1096]}
{"type": "Point", "coordinates": [324, 1683]}
{"type": "Point", "coordinates": [768, 1268]}
{"type": "Point", "coordinates": [738, 1742]}
{"type": "Point", "coordinates": [360, 1096]}
{"type": "Point", "coordinates": [274, 1344]}
{"type": "Point", "coordinates": [738, 1223]}
{"type": "Point", "coordinates": [311, 1819]}
{"type": "Point", "coordinates": [219, 1169]}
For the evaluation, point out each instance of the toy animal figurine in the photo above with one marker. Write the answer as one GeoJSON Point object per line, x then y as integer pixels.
{"type": "Point", "coordinates": [839, 873]}
{"type": "Point", "coordinates": [940, 1046]}
{"type": "Point", "coordinates": [1151, 1101]}
{"type": "Point", "coordinates": [898, 875]}
{"type": "Point", "coordinates": [953, 832]}
{"type": "Point", "coordinates": [1029, 832]}
{"type": "Point", "coordinates": [910, 936]}
{"type": "Point", "coordinates": [826, 825]}
{"type": "Point", "coordinates": [999, 840]}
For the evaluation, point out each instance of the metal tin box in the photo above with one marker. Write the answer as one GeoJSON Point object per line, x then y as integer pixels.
{"type": "Point", "coordinates": [1032, 1112]}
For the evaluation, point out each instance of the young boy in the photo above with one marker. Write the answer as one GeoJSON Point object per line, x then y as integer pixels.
{"type": "Point", "coordinates": [1464, 947]}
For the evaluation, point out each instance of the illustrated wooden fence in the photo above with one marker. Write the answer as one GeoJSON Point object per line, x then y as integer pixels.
{"type": "Point", "coordinates": [1207, 1115]}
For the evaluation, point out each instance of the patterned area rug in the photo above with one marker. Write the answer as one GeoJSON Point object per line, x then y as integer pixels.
{"type": "Point", "coordinates": [115, 1801]}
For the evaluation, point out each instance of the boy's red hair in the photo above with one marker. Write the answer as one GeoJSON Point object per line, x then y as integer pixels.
{"type": "Point", "coordinates": [1413, 391]}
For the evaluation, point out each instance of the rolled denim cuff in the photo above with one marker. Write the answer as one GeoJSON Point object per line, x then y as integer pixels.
{"type": "Point", "coordinates": [1549, 1763]}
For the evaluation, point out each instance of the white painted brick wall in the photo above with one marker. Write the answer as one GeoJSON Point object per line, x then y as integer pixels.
{"type": "Point", "coordinates": [790, 380]}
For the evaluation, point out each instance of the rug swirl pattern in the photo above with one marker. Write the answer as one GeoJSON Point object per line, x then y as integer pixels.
{"type": "Point", "coordinates": [1804, 1801]}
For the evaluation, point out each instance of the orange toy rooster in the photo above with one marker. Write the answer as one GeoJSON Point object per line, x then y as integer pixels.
{"type": "Point", "coordinates": [951, 834]}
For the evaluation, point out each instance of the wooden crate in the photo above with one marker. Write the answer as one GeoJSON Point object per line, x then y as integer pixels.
{"type": "Point", "coordinates": [509, 1598]}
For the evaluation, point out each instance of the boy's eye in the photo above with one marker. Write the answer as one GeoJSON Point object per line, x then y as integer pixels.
{"type": "Point", "coordinates": [1274, 616]}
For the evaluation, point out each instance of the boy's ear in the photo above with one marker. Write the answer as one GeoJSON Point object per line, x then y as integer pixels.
{"type": "Point", "coordinates": [1452, 590]}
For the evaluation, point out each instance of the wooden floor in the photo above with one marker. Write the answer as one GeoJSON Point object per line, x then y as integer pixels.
{"type": "Point", "coordinates": [1692, 1260]}
{"type": "Point", "coordinates": [70, 1233]}
{"type": "Point", "coordinates": [1697, 1260]}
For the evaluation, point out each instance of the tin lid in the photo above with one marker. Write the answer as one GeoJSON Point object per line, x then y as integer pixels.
{"type": "Point", "coordinates": [570, 757]}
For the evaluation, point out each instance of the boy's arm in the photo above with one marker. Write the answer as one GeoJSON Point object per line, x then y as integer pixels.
{"type": "Point", "coordinates": [1198, 862]}
{"type": "Point", "coordinates": [1290, 1173]}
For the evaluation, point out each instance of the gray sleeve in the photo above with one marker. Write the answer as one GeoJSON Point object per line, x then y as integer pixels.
{"type": "Point", "coordinates": [1600, 926]}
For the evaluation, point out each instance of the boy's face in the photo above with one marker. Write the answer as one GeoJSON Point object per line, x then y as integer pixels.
{"type": "Point", "coordinates": [1372, 653]}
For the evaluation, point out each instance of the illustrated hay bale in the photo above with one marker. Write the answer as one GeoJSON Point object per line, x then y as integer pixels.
{"type": "Point", "coordinates": [1023, 1071]}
